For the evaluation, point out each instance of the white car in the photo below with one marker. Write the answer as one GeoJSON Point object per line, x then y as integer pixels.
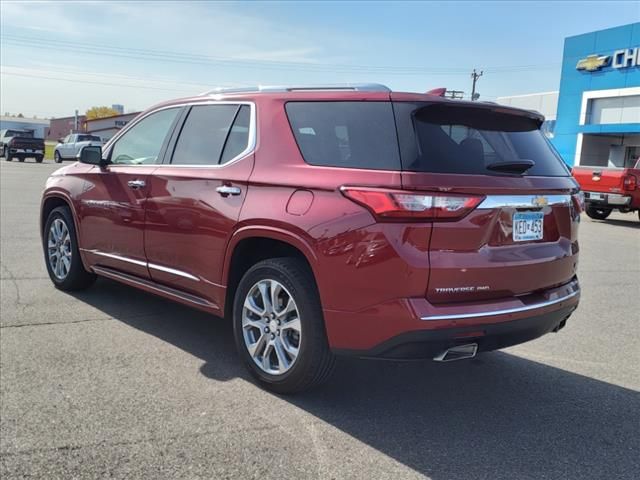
{"type": "Point", "coordinates": [70, 146]}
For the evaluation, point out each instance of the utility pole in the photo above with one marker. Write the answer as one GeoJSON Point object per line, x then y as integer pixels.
{"type": "Point", "coordinates": [475, 76]}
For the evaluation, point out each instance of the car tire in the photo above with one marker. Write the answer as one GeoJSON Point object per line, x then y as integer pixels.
{"type": "Point", "coordinates": [21, 159]}
{"type": "Point", "coordinates": [291, 280]}
{"type": "Point", "coordinates": [59, 240]}
{"type": "Point", "coordinates": [6, 154]}
{"type": "Point", "coordinates": [56, 157]}
{"type": "Point", "coordinates": [39, 159]}
{"type": "Point", "coordinates": [598, 213]}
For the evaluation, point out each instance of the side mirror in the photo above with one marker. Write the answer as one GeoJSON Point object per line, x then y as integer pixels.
{"type": "Point", "coordinates": [61, 140]}
{"type": "Point", "coordinates": [92, 155]}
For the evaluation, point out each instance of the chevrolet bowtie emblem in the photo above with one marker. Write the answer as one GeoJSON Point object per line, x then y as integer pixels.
{"type": "Point", "coordinates": [540, 201]}
{"type": "Point", "coordinates": [593, 62]}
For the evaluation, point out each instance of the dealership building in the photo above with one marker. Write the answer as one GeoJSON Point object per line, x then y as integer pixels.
{"type": "Point", "coordinates": [597, 118]}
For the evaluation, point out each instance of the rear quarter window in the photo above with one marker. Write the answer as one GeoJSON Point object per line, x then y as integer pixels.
{"type": "Point", "coordinates": [445, 138]}
{"type": "Point", "coordinates": [345, 134]}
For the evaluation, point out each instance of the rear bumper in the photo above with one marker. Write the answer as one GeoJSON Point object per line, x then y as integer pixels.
{"type": "Point", "coordinates": [607, 199]}
{"type": "Point", "coordinates": [413, 328]}
{"type": "Point", "coordinates": [26, 151]}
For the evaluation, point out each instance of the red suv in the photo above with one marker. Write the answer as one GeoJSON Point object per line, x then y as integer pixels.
{"type": "Point", "coordinates": [329, 220]}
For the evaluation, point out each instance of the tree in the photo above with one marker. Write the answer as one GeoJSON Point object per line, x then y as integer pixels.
{"type": "Point", "coordinates": [100, 112]}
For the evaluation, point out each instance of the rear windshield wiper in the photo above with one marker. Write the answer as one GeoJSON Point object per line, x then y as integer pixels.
{"type": "Point", "coordinates": [515, 166]}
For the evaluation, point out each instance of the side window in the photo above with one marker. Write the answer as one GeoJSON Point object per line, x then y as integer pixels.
{"type": "Point", "coordinates": [345, 134]}
{"type": "Point", "coordinates": [238, 138]}
{"type": "Point", "coordinates": [67, 139]}
{"type": "Point", "coordinates": [207, 135]}
{"type": "Point", "coordinates": [142, 143]}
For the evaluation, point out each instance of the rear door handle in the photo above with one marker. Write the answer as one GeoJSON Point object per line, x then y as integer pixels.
{"type": "Point", "coordinates": [136, 184]}
{"type": "Point", "coordinates": [226, 190]}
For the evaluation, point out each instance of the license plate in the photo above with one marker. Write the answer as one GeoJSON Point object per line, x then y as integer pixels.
{"type": "Point", "coordinates": [527, 226]}
{"type": "Point", "coordinates": [30, 150]}
{"type": "Point", "coordinates": [595, 196]}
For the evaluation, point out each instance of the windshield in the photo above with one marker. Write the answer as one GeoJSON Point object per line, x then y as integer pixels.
{"type": "Point", "coordinates": [445, 138]}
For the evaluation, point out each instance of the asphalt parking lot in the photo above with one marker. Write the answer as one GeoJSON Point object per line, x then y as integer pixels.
{"type": "Point", "coordinates": [117, 383]}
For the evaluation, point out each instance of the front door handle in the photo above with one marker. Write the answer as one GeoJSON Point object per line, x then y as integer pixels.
{"type": "Point", "coordinates": [226, 190]}
{"type": "Point", "coordinates": [136, 184]}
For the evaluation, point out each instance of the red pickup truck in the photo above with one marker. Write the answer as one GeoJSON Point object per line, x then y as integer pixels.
{"type": "Point", "coordinates": [606, 189]}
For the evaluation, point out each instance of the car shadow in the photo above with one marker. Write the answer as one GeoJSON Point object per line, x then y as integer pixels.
{"type": "Point", "coordinates": [632, 222]}
{"type": "Point", "coordinates": [498, 416]}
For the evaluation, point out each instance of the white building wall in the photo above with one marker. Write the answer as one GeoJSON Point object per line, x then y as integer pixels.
{"type": "Point", "coordinates": [546, 103]}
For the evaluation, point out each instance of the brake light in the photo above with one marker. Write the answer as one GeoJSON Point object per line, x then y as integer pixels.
{"type": "Point", "coordinates": [630, 182]}
{"type": "Point", "coordinates": [406, 205]}
{"type": "Point", "coordinates": [578, 201]}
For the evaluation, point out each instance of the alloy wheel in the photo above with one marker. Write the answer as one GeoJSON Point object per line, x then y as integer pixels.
{"type": "Point", "coordinates": [59, 248]}
{"type": "Point", "coordinates": [271, 327]}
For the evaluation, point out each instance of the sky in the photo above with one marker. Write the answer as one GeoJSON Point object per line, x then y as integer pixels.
{"type": "Point", "coordinates": [56, 57]}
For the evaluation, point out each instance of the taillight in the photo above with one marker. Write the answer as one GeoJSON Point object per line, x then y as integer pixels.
{"type": "Point", "coordinates": [400, 204]}
{"type": "Point", "coordinates": [630, 182]}
{"type": "Point", "coordinates": [578, 201]}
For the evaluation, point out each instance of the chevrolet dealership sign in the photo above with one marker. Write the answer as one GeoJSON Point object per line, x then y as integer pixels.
{"type": "Point", "coordinates": [627, 57]}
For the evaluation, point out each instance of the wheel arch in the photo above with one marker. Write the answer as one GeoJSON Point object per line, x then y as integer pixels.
{"type": "Point", "coordinates": [250, 245]}
{"type": "Point", "coordinates": [53, 200]}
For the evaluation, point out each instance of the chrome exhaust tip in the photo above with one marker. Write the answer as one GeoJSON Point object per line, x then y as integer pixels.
{"type": "Point", "coordinates": [459, 352]}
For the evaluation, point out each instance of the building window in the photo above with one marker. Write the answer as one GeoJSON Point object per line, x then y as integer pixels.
{"type": "Point", "coordinates": [613, 110]}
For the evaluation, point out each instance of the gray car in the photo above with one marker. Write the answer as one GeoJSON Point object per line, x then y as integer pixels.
{"type": "Point", "coordinates": [69, 148]}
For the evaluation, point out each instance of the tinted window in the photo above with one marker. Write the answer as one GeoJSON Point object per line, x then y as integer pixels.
{"type": "Point", "coordinates": [88, 138]}
{"type": "Point", "coordinates": [440, 138]}
{"type": "Point", "coordinates": [142, 143]}
{"type": "Point", "coordinates": [18, 133]}
{"type": "Point", "coordinates": [238, 138]}
{"type": "Point", "coordinates": [346, 134]}
{"type": "Point", "coordinates": [204, 134]}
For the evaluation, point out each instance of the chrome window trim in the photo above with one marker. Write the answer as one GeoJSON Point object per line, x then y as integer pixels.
{"type": "Point", "coordinates": [523, 201]}
{"type": "Point", "coordinates": [173, 271]}
{"type": "Point", "coordinates": [251, 145]}
{"type": "Point", "coordinates": [491, 313]}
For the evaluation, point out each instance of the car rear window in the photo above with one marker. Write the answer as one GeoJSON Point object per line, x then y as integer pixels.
{"type": "Point", "coordinates": [439, 138]}
{"type": "Point", "coordinates": [346, 134]}
{"type": "Point", "coordinates": [88, 138]}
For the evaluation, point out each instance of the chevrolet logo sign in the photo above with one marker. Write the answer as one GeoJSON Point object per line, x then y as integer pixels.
{"type": "Point", "coordinates": [540, 201]}
{"type": "Point", "coordinates": [593, 62]}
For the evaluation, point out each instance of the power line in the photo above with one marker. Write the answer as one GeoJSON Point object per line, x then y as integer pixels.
{"type": "Point", "coordinates": [154, 79]}
{"type": "Point", "coordinates": [141, 87]}
{"type": "Point", "coordinates": [184, 57]}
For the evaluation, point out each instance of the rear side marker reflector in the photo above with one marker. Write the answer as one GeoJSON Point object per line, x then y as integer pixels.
{"type": "Point", "coordinates": [406, 205]}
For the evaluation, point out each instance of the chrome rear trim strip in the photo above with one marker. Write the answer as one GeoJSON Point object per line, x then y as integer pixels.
{"type": "Point", "coordinates": [173, 271]}
{"type": "Point", "coordinates": [523, 201]}
{"type": "Point", "coordinates": [491, 313]}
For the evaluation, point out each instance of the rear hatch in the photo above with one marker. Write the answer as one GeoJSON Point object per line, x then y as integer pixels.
{"type": "Point", "coordinates": [599, 179]}
{"type": "Point", "coordinates": [521, 237]}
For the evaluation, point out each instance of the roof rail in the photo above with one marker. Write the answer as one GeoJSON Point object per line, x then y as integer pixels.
{"type": "Point", "coordinates": [357, 87]}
